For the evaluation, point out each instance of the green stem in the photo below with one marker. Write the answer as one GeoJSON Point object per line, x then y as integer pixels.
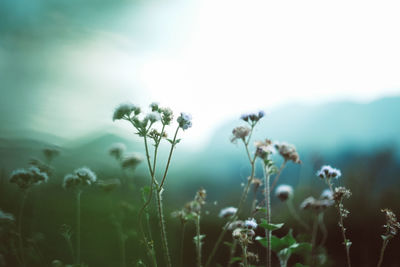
{"type": "Point", "coordinates": [278, 175]}
{"type": "Point", "coordinates": [232, 253]}
{"type": "Point", "coordinates": [295, 215]}
{"type": "Point", "coordinates": [323, 228]}
{"type": "Point", "coordinates": [268, 208]}
{"type": "Point", "coordinates": [21, 244]}
{"type": "Point", "coordinates": [182, 243]}
{"type": "Point", "coordinates": [78, 227]}
{"type": "Point", "coordinates": [244, 250]}
{"type": "Point", "coordinates": [198, 241]}
{"type": "Point", "coordinates": [162, 228]}
{"type": "Point", "coordinates": [242, 200]}
{"type": "Point", "coordinates": [314, 240]}
{"type": "Point", "coordinates": [169, 159]}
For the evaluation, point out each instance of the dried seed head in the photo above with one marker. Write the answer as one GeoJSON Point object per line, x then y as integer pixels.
{"type": "Point", "coordinates": [392, 225]}
{"type": "Point", "coordinates": [284, 192]}
{"type": "Point", "coordinates": [288, 152]}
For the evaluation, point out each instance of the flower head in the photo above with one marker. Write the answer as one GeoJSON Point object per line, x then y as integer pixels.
{"type": "Point", "coordinates": [227, 212]}
{"type": "Point", "coordinates": [264, 149]}
{"type": "Point", "coordinates": [154, 106]}
{"type": "Point", "coordinates": [166, 115]}
{"type": "Point", "coordinates": [288, 152]}
{"type": "Point", "coordinates": [185, 121]}
{"type": "Point", "coordinates": [124, 111]}
{"type": "Point", "coordinates": [284, 192]}
{"type": "Point", "coordinates": [327, 194]}
{"type": "Point", "coordinates": [131, 161]}
{"type": "Point", "coordinates": [341, 193]}
{"type": "Point", "coordinates": [250, 223]}
{"type": "Point", "coordinates": [25, 178]}
{"type": "Point", "coordinates": [252, 117]}
{"type": "Point", "coordinates": [328, 172]}
{"type": "Point", "coordinates": [240, 132]}
{"type": "Point", "coordinates": [117, 150]}
{"type": "Point", "coordinates": [80, 177]}
{"type": "Point", "coordinates": [153, 117]}
{"type": "Point", "coordinates": [108, 185]}
{"type": "Point", "coordinates": [316, 204]}
{"type": "Point", "coordinates": [235, 224]}
{"type": "Point", "coordinates": [51, 153]}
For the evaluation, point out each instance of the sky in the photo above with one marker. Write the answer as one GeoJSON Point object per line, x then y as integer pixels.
{"type": "Point", "coordinates": [65, 65]}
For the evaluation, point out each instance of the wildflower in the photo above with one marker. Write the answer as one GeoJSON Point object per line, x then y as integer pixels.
{"type": "Point", "coordinates": [25, 178]}
{"type": "Point", "coordinates": [288, 152]}
{"type": "Point", "coordinates": [124, 111]}
{"type": "Point", "coordinates": [43, 167]}
{"type": "Point", "coordinates": [253, 117]}
{"type": "Point", "coordinates": [166, 115]}
{"type": "Point", "coordinates": [392, 225]}
{"type": "Point", "coordinates": [240, 132]}
{"type": "Point", "coordinates": [316, 204]}
{"type": "Point", "coordinates": [326, 194]}
{"type": "Point", "coordinates": [131, 161]}
{"type": "Point", "coordinates": [250, 223]}
{"type": "Point", "coordinates": [117, 150]}
{"type": "Point", "coordinates": [108, 185]}
{"type": "Point", "coordinates": [184, 121]}
{"type": "Point", "coordinates": [6, 216]}
{"type": "Point", "coordinates": [307, 203]}
{"type": "Point", "coordinates": [245, 236]}
{"type": "Point", "coordinates": [235, 224]}
{"type": "Point", "coordinates": [153, 117]}
{"type": "Point", "coordinates": [284, 192]}
{"type": "Point", "coordinates": [80, 177]}
{"type": "Point", "coordinates": [51, 153]}
{"type": "Point", "coordinates": [154, 106]}
{"type": "Point", "coordinates": [264, 149]}
{"type": "Point", "coordinates": [201, 196]}
{"type": "Point", "coordinates": [227, 212]}
{"type": "Point", "coordinates": [341, 193]}
{"type": "Point", "coordinates": [328, 172]}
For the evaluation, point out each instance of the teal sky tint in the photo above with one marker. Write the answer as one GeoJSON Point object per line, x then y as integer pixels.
{"type": "Point", "coordinates": [65, 65]}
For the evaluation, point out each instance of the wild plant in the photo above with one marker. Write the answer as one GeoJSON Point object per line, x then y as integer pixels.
{"type": "Point", "coordinates": [46, 166]}
{"type": "Point", "coordinates": [126, 161]}
{"type": "Point", "coordinates": [25, 179]}
{"type": "Point", "coordinates": [77, 181]}
{"type": "Point", "coordinates": [392, 227]}
{"type": "Point", "coordinates": [145, 125]}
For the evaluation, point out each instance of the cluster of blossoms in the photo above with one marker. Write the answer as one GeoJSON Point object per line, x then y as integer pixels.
{"type": "Point", "coordinates": [25, 178]}
{"type": "Point", "coordinates": [51, 153]}
{"type": "Point", "coordinates": [264, 149]}
{"type": "Point", "coordinates": [240, 133]}
{"type": "Point", "coordinates": [80, 177]}
{"type": "Point", "coordinates": [227, 212]}
{"type": "Point", "coordinates": [253, 117]}
{"type": "Point", "coordinates": [131, 113]}
{"type": "Point", "coordinates": [284, 192]}
{"type": "Point", "coordinates": [328, 172]}
{"type": "Point", "coordinates": [392, 225]}
{"type": "Point", "coordinates": [317, 205]}
{"type": "Point", "coordinates": [341, 193]}
{"type": "Point", "coordinates": [245, 232]}
{"type": "Point", "coordinates": [131, 161]}
{"type": "Point", "coordinates": [192, 209]}
{"type": "Point", "coordinates": [117, 150]}
{"type": "Point", "coordinates": [288, 152]}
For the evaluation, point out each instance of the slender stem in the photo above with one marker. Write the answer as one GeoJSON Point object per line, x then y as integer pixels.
{"type": "Point", "coordinates": [157, 144]}
{"type": "Point", "coordinates": [162, 228]}
{"type": "Point", "coordinates": [78, 227]}
{"type": "Point", "coordinates": [123, 249]}
{"type": "Point", "coordinates": [295, 215]}
{"type": "Point", "coordinates": [232, 253]}
{"type": "Point", "coordinates": [314, 240]}
{"type": "Point", "coordinates": [244, 250]}
{"type": "Point", "coordinates": [278, 175]}
{"type": "Point", "coordinates": [182, 243]}
{"type": "Point", "coordinates": [242, 200]}
{"type": "Point", "coordinates": [169, 159]}
{"type": "Point", "coordinates": [384, 244]}
{"type": "Point", "coordinates": [21, 244]}
{"type": "Point", "coordinates": [198, 241]}
{"type": "Point", "coordinates": [323, 228]}
{"type": "Point", "coordinates": [268, 208]}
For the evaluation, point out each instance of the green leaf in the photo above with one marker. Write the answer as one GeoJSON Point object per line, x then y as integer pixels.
{"type": "Point", "coordinates": [235, 259]}
{"type": "Point", "coordinates": [301, 248]}
{"type": "Point", "coordinates": [270, 226]}
{"type": "Point", "coordinates": [300, 265]}
{"type": "Point", "coordinates": [228, 244]}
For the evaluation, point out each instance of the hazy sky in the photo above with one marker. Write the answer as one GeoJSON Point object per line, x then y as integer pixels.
{"type": "Point", "coordinates": [64, 66]}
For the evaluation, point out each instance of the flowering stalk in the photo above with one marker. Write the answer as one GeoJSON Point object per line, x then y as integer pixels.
{"type": "Point", "coordinates": [252, 161]}
{"type": "Point", "coordinates": [21, 244]}
{"type": "Point", "coordinates": [268, 209]}
{"type": "Point", "coordinates": [244, 250]}
{"type": "Point", "coordinates": [232, 253]}
{"type": "Point", "coordinates": [392, 227]}
{"type": "Point", "coordinates": [384, 244]}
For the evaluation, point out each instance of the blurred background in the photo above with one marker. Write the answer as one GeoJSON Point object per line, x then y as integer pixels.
{"type": "Point", "coordinates": [327, 75]}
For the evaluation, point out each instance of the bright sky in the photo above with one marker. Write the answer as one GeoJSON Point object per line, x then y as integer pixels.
{"type": "Point", "coordinates": [219, 58]}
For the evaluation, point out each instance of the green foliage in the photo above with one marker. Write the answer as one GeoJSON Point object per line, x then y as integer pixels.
{"type": "Point", "coordinates": [270, 226]}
